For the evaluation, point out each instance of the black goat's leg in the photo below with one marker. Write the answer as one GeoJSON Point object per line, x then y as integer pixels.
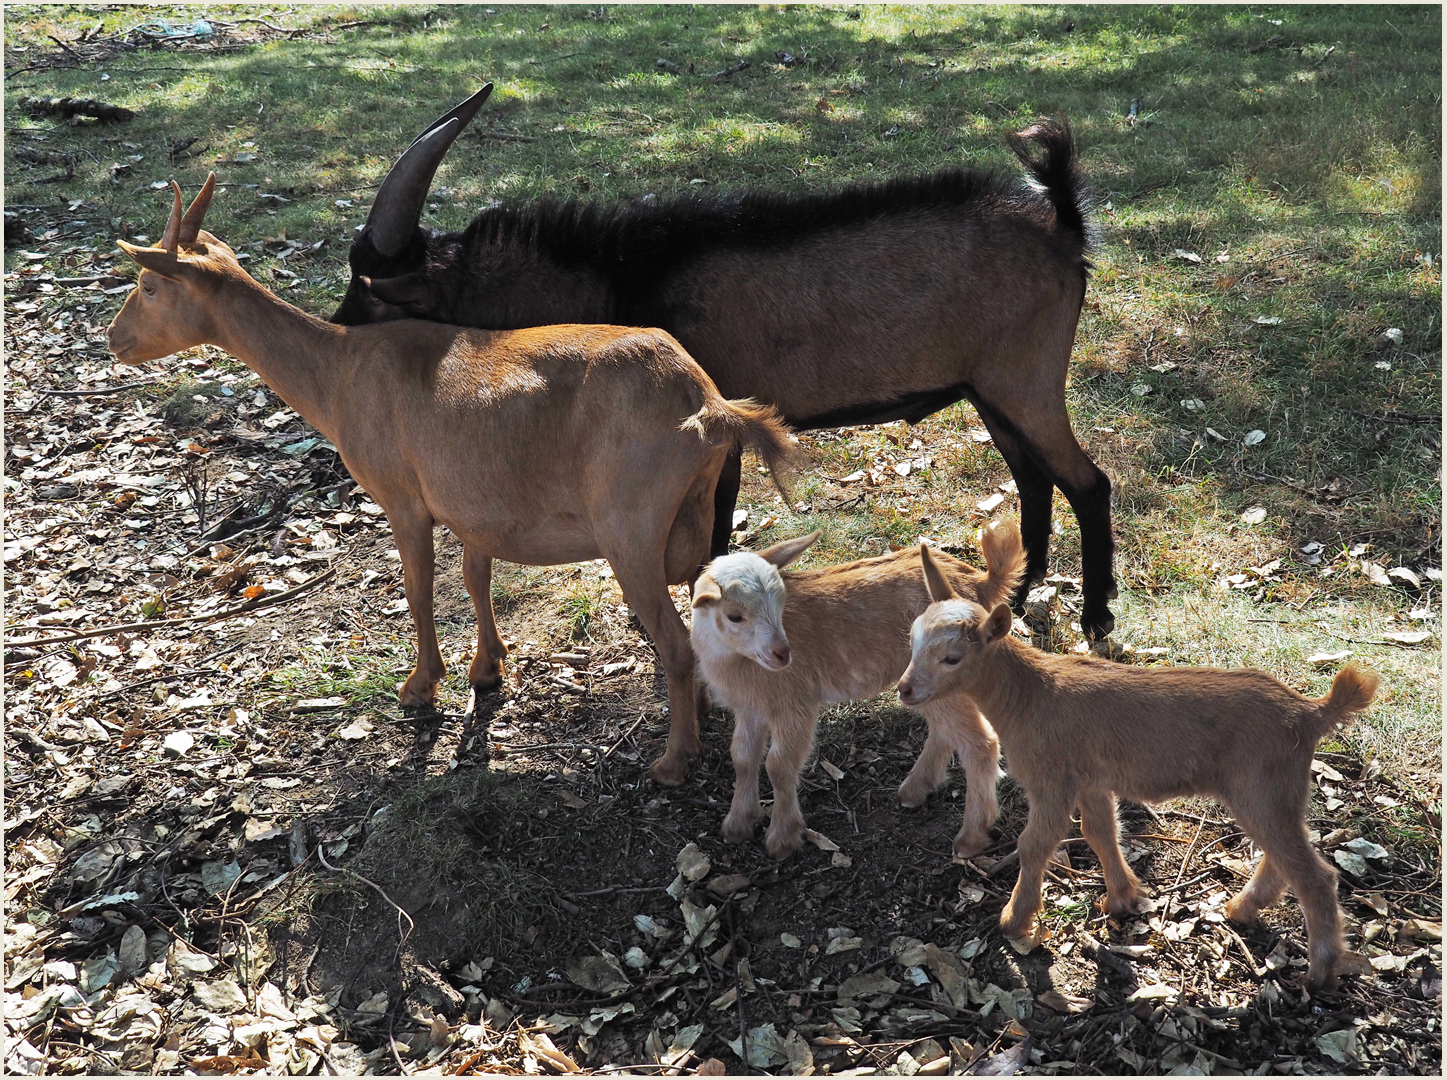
{"type": "Point", "coordinates": [1035, 490]}
{"type": "Point", "coordinates": [1041, 429]}
{"type": "Point", "coordinates": [1091, 503]}
{"type": "Point", "coordinates": [725, 498]}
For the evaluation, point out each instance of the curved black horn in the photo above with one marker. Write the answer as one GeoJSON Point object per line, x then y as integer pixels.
{"type": "Point", "coordinates": [464, 111]}
{"type": "Point", "coordinates": [398, 205]}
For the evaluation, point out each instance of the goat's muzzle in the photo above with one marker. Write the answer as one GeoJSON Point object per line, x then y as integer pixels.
{"type": "Point", "coordinates": [776, 658]}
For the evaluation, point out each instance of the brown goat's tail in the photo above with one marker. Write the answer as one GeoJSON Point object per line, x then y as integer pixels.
{"type": "Point", "coordinates": [1004, 561]}
{"type": "Point", "coordinates": [1057, 173]}
{"type": "Point", "coordinates": [1351, 692]}
{"type": "Point", "coordinates": [758, 427]}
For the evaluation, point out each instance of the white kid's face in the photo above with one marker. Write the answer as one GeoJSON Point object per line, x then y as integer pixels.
{"type": "Point", "coordinates": [739, 605]}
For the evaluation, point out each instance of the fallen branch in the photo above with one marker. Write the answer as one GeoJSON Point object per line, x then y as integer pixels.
{"type": "Point", "coordinates": [102, 389]}
{"type": "Point", "coordinates": [156, 624]}
{"type": "Point", "coordinates": [506, 136]}
{"type": "Point", "coordinates": [401, 911]}
{"type": "Point", "coordinates": [1395, 417]}
{"type": "Point", "coordinates": [73, 107]}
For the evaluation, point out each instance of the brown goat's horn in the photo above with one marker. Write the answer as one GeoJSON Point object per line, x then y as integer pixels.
{"type": "Point", "coordinates": [399, 200]}
{"type": "Point", "coordinates": [173, 225]}
{"type": "Point", "coordinates": [191, 223]}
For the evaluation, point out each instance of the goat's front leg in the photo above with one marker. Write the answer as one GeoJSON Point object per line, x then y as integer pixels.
{"type": "Point", "coordinates": [978, 749]}
{"type": "Point", "coordinates": [642, 581]}
{"type": "Point", "coordinates": [1048, 825]}
{"type": "Point", "coordinates": [793, 738]}
{"type": "Point", "coordinates": [929, 768]}
{"type": "Point", "coordinates": [412, 533]}
{"type": "Point", "coordinates": [955, 725]}
{"type": "Point", "coordinates": [751, 733]}
{"type": "Point", "coordinates": [486, 671]}
{"type": "Point", "coordinates": [1099, 826]}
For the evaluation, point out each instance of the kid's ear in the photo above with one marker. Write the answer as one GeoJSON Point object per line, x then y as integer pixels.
{"type": "Point", "coordinates": [786, 551]}
{"type": "Point", "coordinates": [706, 591]}
{"type": "Point", "coordinates": [934, 580]}
{"type": "Point", "coordinates": [997, 625]}
{"type": "Point", "coordinates": [156, 260]}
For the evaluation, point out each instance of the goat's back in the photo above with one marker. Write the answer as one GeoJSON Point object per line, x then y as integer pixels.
{"type": "Point", "coordinates": [1153, 733]}
{"type": "Point", "coordinates": [527, 439]}
{"type": "Point", "coordinates": [848, 628]}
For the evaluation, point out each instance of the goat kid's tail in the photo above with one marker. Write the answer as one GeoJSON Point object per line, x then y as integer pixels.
{"type": "Point", "coordinates": [758, 427]}
{"type": "Point", "coordinates": [1351, 692]}
{"type": "Point", "coordinates": [1057, 172]}
{"type": "Point", "coordinates": [1004, 560]}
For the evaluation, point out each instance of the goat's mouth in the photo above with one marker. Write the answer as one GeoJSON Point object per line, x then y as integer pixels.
{"type": "Point", "coordinates": [908, 695]}
{"type": "Point", "coordinates": [771, 662]}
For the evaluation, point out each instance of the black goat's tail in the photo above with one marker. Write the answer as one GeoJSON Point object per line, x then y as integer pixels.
{"type": "Point", "coordinates": [1056, 172]}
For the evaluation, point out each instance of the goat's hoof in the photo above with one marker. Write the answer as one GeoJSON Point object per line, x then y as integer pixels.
{"type": "Point", "coordinates": [1241, 911]}
{"type": "Point", "coordinates": [412, 697]}
{"type": "Point", "coordinates": [781, 845]}
{"type": "Point", "coordinates": [913, 794]}
{"type": "Point", "coordinates": [670, 770]}
{"type": "Point", "coordinates": [1126, 906]}
{"type": "Point", "coordinates": [1324, 971]}
{"type": "Point", "coordinates": [967, 847]}
{"type": "Point", "coordinates": [737, 830]}
{"type": "Point", "coordinates": [485, 682]}
{"type": "Point", "coordinates": [1097, 627]}
{"type": "Point", "coordinates": [1022, 938]}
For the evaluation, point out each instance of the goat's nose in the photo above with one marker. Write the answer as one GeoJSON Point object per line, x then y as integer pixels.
{"type": "Point", "coordinates": [906, 691]}
{"type": "Point", "coordinates": [782, 654]}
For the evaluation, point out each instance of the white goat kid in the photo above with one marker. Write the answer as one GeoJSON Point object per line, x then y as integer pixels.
{"type": "Point", "coordinates": [777, 647]}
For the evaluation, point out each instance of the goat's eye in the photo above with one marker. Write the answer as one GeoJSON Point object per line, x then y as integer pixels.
{"type": "Point", "coordinates": [950, 660]}
{"type": "Point", "coordinates": [735, 617]}
{"type": "Point", "coordinates": [149, 290]}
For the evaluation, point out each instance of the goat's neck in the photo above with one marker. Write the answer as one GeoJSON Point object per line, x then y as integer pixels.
{"type": "Point", "coordinates": [1009, 687]}
{"type": "Point", "coordinates": [298, 356]}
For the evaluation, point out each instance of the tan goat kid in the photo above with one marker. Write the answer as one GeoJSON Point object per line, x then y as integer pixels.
{"type": "Point", "coordinates": [1080, 731]}
{"type": "Point", "coordinates": [775, 648]}
{"type": "Point", "coordinates": [541, 446]}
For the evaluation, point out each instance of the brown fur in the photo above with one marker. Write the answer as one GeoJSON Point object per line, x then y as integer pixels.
{"type": "Point", "coordinates": [842, 633]}
{"type": "Point", "coordinates": [540, 446]}
{"type": "Point", "coordinates": [1080, 731]}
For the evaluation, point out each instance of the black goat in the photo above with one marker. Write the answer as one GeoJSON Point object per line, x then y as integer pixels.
{"type": "Point", "coordinates": [861, 305]}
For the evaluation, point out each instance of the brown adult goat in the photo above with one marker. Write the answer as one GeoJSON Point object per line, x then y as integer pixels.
{"type": "Point", "coordinates": [862, 305]}
{"type": "Point", "coordinates": [540, 446]}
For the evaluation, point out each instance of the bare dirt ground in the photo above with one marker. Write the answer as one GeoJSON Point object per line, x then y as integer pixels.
{"type": "Point", "coordinates": [213, 818]}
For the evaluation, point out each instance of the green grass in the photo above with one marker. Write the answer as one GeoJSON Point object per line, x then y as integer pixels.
{"type": "Point", "coordinates": [1310, 162]}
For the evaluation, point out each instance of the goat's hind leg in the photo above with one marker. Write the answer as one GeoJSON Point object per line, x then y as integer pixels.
{"type": "Point", "coordinates": [641, 575]}
{"type": "Point", "coordinates": [486, 671]}
{"type": "Point", "coordinates": [1283, 840]}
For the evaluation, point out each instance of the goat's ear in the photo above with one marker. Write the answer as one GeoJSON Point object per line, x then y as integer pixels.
{"type": "Point", "coordinates": [404, 289]}
{"type": "Point", "coordinates": [934, 579]}
{"type": "Point", "coordinates": [156, 260]}
{"type": "Point", "coordinates": [786, 551]}
{"type": "Point", "coordinates": [997, 625]}
{"type": "Point", "coordinates": [706, 591]}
